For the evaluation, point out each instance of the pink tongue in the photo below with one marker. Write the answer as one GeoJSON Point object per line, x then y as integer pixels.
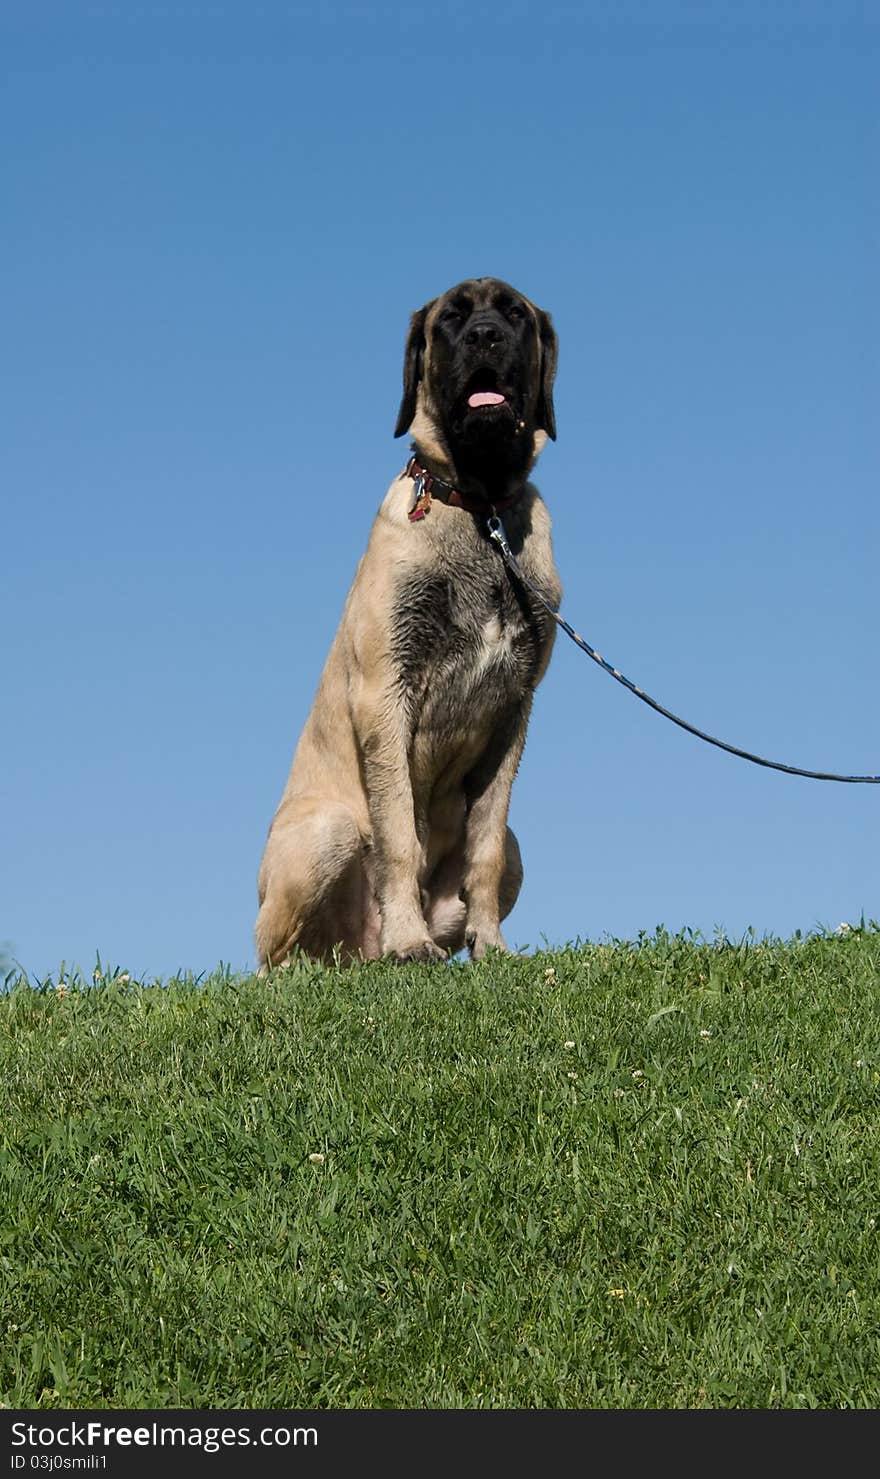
{"type": "Point", "coordinates": [485, 398]}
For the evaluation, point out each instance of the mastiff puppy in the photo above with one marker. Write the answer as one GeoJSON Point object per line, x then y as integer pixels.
{"type": "Point", "coordinates": [391, 837]}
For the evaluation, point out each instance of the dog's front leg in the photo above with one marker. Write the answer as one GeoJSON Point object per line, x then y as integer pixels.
{"type": "Point", "coordinates": [380, 724]}
{"type": "Point", "coordinates": [487, 790]}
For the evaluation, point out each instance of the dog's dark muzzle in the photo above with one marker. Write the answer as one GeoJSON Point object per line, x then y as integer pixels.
{"type": "Point", "coordinates": [486, 360]}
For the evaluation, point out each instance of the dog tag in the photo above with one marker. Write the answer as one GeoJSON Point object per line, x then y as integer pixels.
{"type": "Point", "coordinates": [422, 505]}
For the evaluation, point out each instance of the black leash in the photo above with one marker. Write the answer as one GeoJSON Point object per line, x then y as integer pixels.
{"type": "Point", "coordinates": [496, 534]}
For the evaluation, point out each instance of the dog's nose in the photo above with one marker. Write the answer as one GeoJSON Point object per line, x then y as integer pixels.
{"type": "Point", "coordinates": [483, 333]}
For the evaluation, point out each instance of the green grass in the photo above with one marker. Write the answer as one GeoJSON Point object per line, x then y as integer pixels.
{"type": "Point", "coordinates": [628, 1175]}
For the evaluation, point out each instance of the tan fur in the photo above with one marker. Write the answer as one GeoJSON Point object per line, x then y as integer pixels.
{"type": "Point", "coordinates": [391, 836]}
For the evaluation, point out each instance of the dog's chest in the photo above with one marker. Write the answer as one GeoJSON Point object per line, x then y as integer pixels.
{"type": "Point", "coordinates": [465, 642]}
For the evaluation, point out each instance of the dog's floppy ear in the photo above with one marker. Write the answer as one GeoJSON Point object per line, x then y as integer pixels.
{"type": "Point", "coordinates": [546, 415]}
{"type": "Point", "coordinates": [412, 370]}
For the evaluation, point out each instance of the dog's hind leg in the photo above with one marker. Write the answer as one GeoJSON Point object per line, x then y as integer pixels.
{"type": "Point", "coordinates": [311, 885]}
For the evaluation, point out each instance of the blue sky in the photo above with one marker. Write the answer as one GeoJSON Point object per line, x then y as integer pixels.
{"type": "Point", "coordinates": [216, 220]}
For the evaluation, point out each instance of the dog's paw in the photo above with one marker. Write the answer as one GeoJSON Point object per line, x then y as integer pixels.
{"type": "Point", "coordinates": [421, 950]}
{"type": "Point", "coordinates": [480, 945]}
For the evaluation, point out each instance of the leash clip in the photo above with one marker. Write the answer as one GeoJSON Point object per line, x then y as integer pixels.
{"type": "Point", "coordinates": [495, 530]}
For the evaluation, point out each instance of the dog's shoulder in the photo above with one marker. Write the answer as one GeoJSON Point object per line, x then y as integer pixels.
{"type": "Point", "coordinates": [529, 531]}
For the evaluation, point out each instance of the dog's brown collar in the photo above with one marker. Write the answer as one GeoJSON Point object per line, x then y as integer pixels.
{"type": "Point", "coordinates": [429, 486]}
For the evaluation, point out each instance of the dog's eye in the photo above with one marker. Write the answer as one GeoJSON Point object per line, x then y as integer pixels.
{"type": "Point", "coordinates": [515, 312]}
{"type": "Point", "coordinates": [451, 316]}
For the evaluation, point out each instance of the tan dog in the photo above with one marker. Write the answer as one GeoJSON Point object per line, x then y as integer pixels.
{"type": "Point", "coordinates": [391, 837]}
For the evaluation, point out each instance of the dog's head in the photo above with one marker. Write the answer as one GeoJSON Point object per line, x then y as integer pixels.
{"type": "Point", "coordinates": [478, 379]}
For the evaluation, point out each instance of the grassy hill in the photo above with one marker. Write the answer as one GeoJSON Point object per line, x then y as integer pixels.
{"type": "Point", "coordinates": [636, 1174]}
